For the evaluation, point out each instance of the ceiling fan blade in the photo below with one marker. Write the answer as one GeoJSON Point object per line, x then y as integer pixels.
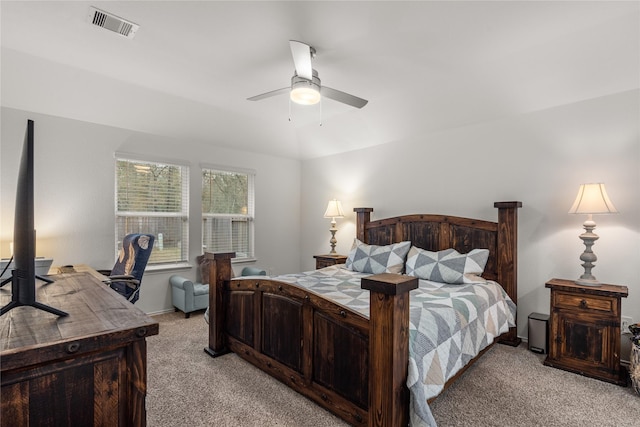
{"type": "Point", "coordinates": [301, 53]}
{"type": "Point", "coordinates": [269, 94]}
{"type": "Point", "coordinates": [343, 97]}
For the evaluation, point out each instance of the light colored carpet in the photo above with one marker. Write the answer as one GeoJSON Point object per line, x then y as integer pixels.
{"type": "Point", "coordinates": [511, 387]}
{"type": "Point", "coordinates": [507, 387]}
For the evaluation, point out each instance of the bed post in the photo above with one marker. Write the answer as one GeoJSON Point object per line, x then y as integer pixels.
{"type": "Point", "coordinates": [363, 216]}
{"type": "Point", "coordinates": [220, 272]}
{"type": "Point", "coordinates": [507, 259]}
{"type": "Point", "coordinates": [388, 348]}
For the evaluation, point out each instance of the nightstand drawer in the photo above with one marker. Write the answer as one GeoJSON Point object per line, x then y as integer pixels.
{"type": "Point", "coordinates": [323, 261]}
{"type": "Point", "coordinates": [586, 302]}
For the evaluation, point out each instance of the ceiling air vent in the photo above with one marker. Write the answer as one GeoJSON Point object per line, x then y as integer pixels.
{"type": "Point", "coordinates": [112, 22]}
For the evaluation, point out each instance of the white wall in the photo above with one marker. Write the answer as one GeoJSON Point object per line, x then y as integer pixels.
{"type": "Point", "coordinates": [539, 158]}
{"type": "Point", "coordinates": [74, 188]}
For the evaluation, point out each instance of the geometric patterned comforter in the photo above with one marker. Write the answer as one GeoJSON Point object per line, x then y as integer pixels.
{"type": "Point", "coordinates": [449, 325]}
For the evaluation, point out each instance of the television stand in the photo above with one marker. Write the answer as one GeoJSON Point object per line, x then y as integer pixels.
{"type": "Point", "coordinates": [24, 295]}
{"type": "Point", "coordinates": [44, 279]}
{"type": "Point", "coordinates": [35, 304]}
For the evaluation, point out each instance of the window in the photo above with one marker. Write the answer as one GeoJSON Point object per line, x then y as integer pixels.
{"type": "Point", "coordinates": [228, 212]}
{"type": "Point", "coordinates": [153, 198]}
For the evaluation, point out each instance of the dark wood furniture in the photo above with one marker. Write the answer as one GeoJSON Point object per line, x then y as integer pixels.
{"type": "Point", "coordinates": [355, 367]}
{"type": "Point", "coordinates": [585, 329]}
{"type": "Point", "coordinates": [323, 261]}
{"type": "Point", "coordinates": [86, 369]}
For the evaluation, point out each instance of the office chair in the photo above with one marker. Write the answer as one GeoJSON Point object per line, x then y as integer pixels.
{"type": "Point", "coordinates": [126, 275]}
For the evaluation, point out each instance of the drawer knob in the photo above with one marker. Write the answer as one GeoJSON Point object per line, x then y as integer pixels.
{"type": "Point", "coordinates": [73, 347]}
{"type": "Point", "coordinates": [583, 304]}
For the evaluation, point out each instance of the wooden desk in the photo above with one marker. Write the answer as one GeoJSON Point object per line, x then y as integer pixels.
{"type": "Point", "coordinates": [88, 368]}
{"type": "Point", "coordinates": [78, 268]}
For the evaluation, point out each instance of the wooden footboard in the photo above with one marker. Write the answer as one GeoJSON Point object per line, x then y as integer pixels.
{"type": "Point", "coordinates": [353, 366]}
{"type": "Point", "coordinates": [322, 350]}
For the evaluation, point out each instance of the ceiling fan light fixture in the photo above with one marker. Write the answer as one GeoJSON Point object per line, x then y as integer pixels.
{"type": "Point", "coordinates": [305, 95]}
{"type": "Point", "coordinates": [304, 91]}
{"type": "Point", "coordinates": [305, 86]}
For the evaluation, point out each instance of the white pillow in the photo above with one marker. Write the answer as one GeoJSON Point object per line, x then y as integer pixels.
{"type": "Point", "coordinates": [377, 259]}
{"type": "Point", "coordinates": [448, 266]}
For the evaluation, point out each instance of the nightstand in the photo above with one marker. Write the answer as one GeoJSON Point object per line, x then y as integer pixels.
{"type": "Point", "coordinates": [585, 329]}
{"type": "Point", "coordinates": [323, 261]}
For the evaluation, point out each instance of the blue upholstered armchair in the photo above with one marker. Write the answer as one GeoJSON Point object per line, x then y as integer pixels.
{"type": "Point", "coordinates": [253, 271]}
{"type": "Point", "coordinates": [188, 296]}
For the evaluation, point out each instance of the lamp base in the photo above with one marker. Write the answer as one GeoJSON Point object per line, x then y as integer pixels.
{"type": "Point", "coordinates": [588, 257]}
{"type": "Point", "coordinates": [588, 282]}
{"type": "Point", "coordinates": [333, 240]}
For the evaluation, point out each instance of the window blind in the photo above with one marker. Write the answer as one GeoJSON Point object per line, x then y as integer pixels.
{"type": "Point", "coordinates": [228, 211]}
{"type": "Point", "coordinates": [153, 197]}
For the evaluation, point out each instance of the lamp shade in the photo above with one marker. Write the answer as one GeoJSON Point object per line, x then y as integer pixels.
{"type": "Point", "coordinates": [592, 199]}
{"type": "Point", "coordinates": [334, 209]}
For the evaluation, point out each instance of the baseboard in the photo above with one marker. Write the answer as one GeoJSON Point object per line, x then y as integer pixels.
{"type": "Point", "coordinates": [155, 313]}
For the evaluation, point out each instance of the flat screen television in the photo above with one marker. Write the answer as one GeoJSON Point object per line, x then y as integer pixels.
{"type": "Point", "coordinates": [23, 276]}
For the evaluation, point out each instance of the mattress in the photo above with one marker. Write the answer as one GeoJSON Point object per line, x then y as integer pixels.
{"type": "Point", "coordinates": [450, 324]}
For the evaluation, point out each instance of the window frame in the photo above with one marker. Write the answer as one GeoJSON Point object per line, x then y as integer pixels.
{"type": "Point", "coordinates": [184, 213]}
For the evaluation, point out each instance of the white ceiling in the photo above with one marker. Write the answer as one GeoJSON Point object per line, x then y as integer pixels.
{"type": "Point", "coordinates": [423, 66]}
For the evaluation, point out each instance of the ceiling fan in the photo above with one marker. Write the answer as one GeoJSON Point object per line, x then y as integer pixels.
{"type": "Point", "coordinates": [305, 84]}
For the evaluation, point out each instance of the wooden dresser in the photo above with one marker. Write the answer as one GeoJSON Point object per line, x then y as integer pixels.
{"type": "Point", "coordinates": [585, 329]}
{"type": "Point", "coordinates": [86, 369]}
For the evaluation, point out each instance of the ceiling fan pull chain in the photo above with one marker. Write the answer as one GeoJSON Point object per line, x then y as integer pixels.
{"type": "Point", "coordinates": [289, 109]}
{"type": "Point", "coordinates": [320, 111]}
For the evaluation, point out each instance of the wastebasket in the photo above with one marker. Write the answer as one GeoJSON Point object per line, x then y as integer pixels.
{"type": "Point", "coordinates": [634, 358]}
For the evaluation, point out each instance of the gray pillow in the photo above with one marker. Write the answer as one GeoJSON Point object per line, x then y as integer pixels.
{"type": "Point", "coordinates": [447, 266]}
{"type": "Point", "coordinates": [377, 259]}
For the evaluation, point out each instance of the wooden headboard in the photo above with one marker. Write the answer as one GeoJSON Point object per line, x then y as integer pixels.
{"type": "Point", "coordinates": [439, 232]}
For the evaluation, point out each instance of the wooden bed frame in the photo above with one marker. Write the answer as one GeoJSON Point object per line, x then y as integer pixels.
{"type": "Point", "coordinates": [355, 367]}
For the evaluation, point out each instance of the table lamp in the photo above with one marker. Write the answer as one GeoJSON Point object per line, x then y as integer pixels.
{"type": "Point", "coordinates": [334, 210]}
{"type": "Point", "coordinates": [592, 199]}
